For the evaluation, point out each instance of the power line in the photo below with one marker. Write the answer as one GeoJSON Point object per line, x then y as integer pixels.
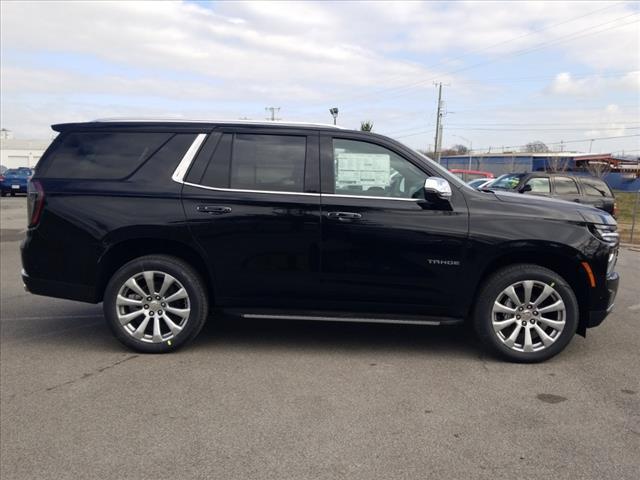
{"type": "Point", "coordinates": [479, 50]}
{"type": "Point", "coordinates": [507, 129]}
{"type": "Point", "coordinates": [401, 90]}
{"type": "Point", "coordinates": [548, 143]}
{"type": "Point", "coordinates": [574, 76]}
{"type": "Point", "coordinates": [526, 127]}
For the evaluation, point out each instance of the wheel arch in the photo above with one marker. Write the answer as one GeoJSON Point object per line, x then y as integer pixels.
{"type": "Point", "coordinates": [126, 250]}
{"type": "Point", "coordinates": [565, 261]}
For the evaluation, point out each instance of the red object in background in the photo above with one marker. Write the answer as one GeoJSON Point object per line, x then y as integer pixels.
{"type": "Point", "coordinates": [468, 175]}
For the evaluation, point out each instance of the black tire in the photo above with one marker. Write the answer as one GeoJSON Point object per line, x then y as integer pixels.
{"type": "Point", "coordinates": [183, 273]}
{"type": "Point", "coordinates": [489, 293]}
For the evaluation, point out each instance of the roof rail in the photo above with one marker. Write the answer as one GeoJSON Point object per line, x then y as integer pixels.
{"type": "Point", "coordinates": [226, 122]}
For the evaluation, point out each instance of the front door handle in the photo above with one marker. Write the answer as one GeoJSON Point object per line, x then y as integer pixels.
{"type": "Point", "coordinates": [213, 209]}
{"type": "Point", "coordinates": [344, 216]}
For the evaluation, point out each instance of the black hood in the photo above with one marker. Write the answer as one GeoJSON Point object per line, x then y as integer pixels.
{"type": "Point", "coordinates": [581, 212]}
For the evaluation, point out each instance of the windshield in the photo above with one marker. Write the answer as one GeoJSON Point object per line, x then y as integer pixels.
{"type": "Point", "coordinates": [507, 181]}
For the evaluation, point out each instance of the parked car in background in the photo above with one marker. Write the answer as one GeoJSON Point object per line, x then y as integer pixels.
{"type": "Point", "coordinates": [565, 186]}
{"type": "Point", "coordinates": [15, 180]}
{"type": "Point", "coordinates": [467, 175]}
{"type": "Point", "coordinates": [479, 182]}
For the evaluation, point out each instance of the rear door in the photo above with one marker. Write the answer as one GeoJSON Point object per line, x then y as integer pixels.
{"type": "Point", "coordinates": [384, 248]}
{"type": "Point", "coordinates": [252, 202]}
{"type": "Point", "coordinates": [566, 188]}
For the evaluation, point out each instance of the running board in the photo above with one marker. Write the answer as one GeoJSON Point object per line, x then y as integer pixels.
{"type": "Point", "coordinates": [318, 318]}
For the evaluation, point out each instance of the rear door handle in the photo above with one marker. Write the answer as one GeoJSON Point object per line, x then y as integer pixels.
{"type": "Point", "coordinates": [213, 209]}
{"type": "Point", "coordinates": [344, 216]}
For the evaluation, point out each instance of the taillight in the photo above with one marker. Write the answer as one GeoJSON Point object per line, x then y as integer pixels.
{"type": "Point", "coordinates": [35, 202]}
{"type": "Point", "coordinates": [1, 178]}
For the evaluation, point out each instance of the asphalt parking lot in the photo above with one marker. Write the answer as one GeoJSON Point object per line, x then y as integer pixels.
{"type": "Point", "coordinates": [280, 400]}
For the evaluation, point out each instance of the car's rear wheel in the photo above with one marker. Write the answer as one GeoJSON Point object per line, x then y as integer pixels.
{"type": "Point", "coordinates": [526, 313]}
{"type": "Point", "coordinates": [155, 304]}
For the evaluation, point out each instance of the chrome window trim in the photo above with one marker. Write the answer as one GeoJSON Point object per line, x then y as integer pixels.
{"type": "Point", "coordinates": [183, 167]}
{"type": "Point", "coordinates": [370, 197]}
{"type": "Point", "coordinates": [240, 190]}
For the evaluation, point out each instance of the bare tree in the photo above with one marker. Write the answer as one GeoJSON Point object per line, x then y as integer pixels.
{"type": "Point", "coordinates": [598, 168]}
{"type": "Point", "coordinates": [536, 147]}
{"type": "Point", "coordinates": [460, 149]}
{"type": "Point", "coordinates": [366, 126]}
{"type": "Point", "coordinates": [556, 163]}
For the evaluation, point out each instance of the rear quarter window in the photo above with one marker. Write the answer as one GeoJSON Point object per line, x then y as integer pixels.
{"type": "Point", "coordinates": [101, 155]}
{"type": "Point", "coordinates": [595, 188]}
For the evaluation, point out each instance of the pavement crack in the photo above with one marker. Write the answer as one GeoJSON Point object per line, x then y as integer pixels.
{"type": "Point", "coordinates": [96, 371]}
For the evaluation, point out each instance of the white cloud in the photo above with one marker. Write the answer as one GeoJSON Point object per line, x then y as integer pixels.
{"type": "Point", "coordinates": [236, 57]}
{"type": "Point", "coordinates": [565, 84]}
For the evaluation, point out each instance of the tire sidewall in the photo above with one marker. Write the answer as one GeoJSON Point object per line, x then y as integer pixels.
{"type": "Point", "coordinates": [189, 279]}
{"type": "Point", "coordinates": [506, 277]}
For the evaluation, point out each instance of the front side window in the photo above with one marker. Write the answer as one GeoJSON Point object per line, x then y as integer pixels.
{"type": "Point", "coordinates": [362, 168]}
{"type": "Point", "coordinates": [539, 185]}
{"type": "Point", "coordinates": [268, 162]}
{"type": "Point", "coordinates": [565, 186]}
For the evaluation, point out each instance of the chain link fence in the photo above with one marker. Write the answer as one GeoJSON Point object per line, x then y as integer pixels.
{"type": "Point", "coordinates": [629, 216]}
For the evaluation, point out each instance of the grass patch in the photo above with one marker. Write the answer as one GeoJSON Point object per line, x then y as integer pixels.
{"type": "Point", "coordinates": [626, 201]}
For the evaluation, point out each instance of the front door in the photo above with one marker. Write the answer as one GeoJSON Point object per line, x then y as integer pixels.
{"type": "Point", "coordinates": [254, 209]}
{"type": "Point", "coordinates": [384, 248]}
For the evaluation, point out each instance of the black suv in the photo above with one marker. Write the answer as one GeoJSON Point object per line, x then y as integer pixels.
{"type": "Point", "coordinates": [564, 186]}
{"type": "Point", "coordinates": [163, 221]}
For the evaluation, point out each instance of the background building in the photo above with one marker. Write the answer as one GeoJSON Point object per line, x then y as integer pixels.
{"type": "Point", "coordinates": [619, 173]}
{"type": "Point", "coordinates": [18, 152]}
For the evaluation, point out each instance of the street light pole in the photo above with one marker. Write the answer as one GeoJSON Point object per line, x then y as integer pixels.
{"type": "Point", "coordinates": [334, 113]}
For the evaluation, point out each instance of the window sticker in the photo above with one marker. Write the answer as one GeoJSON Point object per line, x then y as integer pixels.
{"type": "Point", "coordinates": [362, 169]}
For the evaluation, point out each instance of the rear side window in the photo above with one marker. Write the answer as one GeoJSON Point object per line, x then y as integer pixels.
{"type": "Point", "coordinates": [101, 155]}
{"type": "Point", "coordinates": [268, 162]}
{"type": "Point", "coordinates": [565, 186]}
{"type": "Point", "coordinates": [595, 188]}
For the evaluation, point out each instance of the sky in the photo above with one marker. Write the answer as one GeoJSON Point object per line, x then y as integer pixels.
{"type": "Point", "coordinates": [565, 73]}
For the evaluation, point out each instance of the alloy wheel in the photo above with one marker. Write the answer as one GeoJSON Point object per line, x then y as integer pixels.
{"type": "Point", "coordinates": [153, 306]}
{"type": "Point", "coordinates": [528, 316]}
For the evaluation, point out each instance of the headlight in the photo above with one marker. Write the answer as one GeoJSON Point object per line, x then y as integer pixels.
{"type": "Point", "coordinates": [606, 233]}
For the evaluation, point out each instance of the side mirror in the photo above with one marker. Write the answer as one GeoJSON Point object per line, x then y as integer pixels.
{"type": "Point", "coordinates": [437, 187]}
{"type": "Point", "coordinates": [526, 188]}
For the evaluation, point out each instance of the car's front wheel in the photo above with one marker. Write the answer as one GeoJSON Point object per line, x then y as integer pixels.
{"type": "Point", "coordinates": [526, 313]}
{"type": "Point", "coordinates": [155, 304]}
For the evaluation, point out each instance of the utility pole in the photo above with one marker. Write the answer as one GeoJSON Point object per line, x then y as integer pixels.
{"type": "Point", "coordinates": [438, 139]}
{"type": "Point", "coordinates": [562, 145]}
{"type": "Point", "coordinates": [273, 111]}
